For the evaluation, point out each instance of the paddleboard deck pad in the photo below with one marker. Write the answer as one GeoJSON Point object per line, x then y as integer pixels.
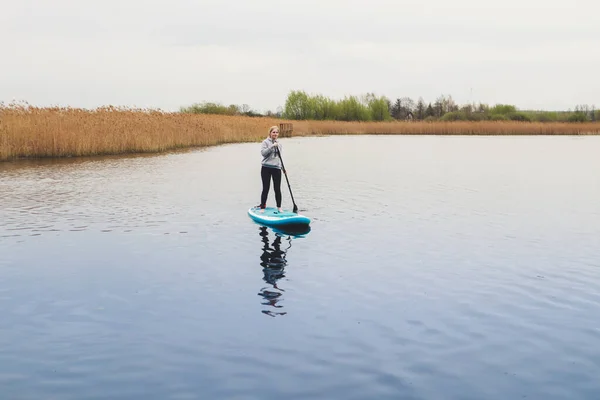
{"type": "Point", "coordinates": [272, 217]}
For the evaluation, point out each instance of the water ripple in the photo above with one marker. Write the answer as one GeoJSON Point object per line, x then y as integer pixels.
{"type": "Point", "coordinates": [434, 269]}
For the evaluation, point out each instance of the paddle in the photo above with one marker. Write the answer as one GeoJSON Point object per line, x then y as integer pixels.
{"type": "Point", "coordinates": [288, 182]}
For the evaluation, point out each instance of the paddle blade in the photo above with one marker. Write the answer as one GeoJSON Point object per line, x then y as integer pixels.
{"type": "Point", "coordinates": [295, 209]}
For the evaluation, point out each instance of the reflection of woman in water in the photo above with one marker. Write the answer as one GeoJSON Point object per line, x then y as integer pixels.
{"type": "Point", "coordinates": [273, 262]}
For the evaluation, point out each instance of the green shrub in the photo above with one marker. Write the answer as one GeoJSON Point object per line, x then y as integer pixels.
{"type": "Point", "coordinates": [502, 109]}
{"type": "Point", "coordinates": [455, 116]}
{"type": "Point", "coordinates": [519, 116]}
{"type": "Point", "coordinates": [546, 117]}
{"type": "Point", "coordinates": [577, 117]}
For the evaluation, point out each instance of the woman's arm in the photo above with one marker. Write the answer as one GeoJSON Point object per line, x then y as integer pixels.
{"type": "Point", "coordinates": [265, 149]}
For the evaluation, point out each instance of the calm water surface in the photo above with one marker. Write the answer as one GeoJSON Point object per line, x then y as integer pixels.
{"type": "Point", "coordinates": [436, 268]}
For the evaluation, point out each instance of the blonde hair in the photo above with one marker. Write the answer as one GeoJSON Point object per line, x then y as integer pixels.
{"type": "Point", "coordinates": [271, 129]}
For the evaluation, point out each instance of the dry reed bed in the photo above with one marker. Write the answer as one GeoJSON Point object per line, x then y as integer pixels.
{"type": "Point", "coordinates": [30, 132]}
{"type": "Point", "coordinates": [446, 128]}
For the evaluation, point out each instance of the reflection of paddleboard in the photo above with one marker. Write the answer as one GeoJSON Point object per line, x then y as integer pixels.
{"type": "Point", "coordinates": [297, 231]}
{"type": "Point", "coordinates": [272, 217]}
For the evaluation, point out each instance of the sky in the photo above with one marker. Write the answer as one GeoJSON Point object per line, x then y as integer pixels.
{"type": "Point", "coordinates": [535, 54]}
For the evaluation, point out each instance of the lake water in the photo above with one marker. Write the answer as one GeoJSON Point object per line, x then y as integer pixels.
{"type": "Point", "coordinates": [436, 268]}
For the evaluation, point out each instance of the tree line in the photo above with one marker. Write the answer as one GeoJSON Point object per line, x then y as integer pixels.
{"type": "Point", "coordinates": [300, 105]}
{"type": "Point", "coordinates": [208, 107]}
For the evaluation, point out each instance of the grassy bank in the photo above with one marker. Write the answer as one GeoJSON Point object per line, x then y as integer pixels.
{"type": "Point", "coordinates": [29, 132]}
{"type": "Point", "coordinates": [447, 128]}
{"type": "Point", "coordinates": [62, 132]}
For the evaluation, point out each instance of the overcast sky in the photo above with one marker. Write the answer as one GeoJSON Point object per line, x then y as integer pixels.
{"type": "Point", "coordinates": [542, 54]}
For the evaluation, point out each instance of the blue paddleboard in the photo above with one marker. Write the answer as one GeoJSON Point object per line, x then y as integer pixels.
{"type": "Point", "coordinates": [273, 217]}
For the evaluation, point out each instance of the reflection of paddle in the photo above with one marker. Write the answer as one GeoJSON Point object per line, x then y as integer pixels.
{"type": "Point", "coordinates": [288, 182]}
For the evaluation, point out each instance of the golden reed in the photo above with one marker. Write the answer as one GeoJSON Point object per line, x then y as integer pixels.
{"type": "Point", "coordinates": [31, 132]}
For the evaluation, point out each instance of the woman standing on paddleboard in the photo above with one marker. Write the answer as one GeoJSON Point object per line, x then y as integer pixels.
{"type": "Point", "coordinates": [271, 168]}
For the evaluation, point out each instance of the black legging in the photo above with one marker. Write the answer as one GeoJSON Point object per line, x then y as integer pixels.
{"type": "Point", "coordinates": [266, 173]}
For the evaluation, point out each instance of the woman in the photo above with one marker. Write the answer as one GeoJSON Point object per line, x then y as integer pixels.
{"type": "Point", "coordinates": [271, 168]}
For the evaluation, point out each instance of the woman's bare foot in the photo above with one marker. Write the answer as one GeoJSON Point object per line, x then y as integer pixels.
{"type": "Point", "coordinates": [279, 209]}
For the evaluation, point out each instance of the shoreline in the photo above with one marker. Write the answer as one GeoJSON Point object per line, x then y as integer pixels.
{"type": "Point", "coordinates": [49, 133]}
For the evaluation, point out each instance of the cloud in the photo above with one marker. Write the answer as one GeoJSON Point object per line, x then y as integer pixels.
{"type": "Point", "coordinates": [168, 54]}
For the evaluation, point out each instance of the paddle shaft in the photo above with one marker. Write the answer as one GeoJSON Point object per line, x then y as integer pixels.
{"type": "Point", "coordinates": [287, 180]}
